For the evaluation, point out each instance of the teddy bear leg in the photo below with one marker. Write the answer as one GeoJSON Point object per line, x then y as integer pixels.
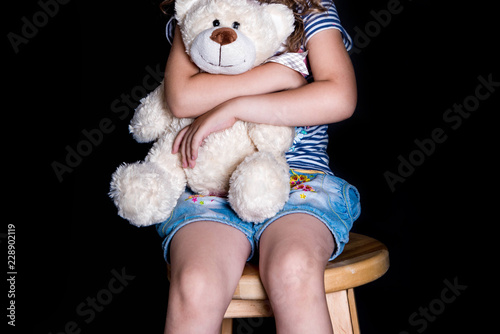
{"type": "Point", "coordinates": [145, 193]}
{"type": "Point", "coordinates": [259, 187]}
{"type": "Point", "coordinates": [271, 138]}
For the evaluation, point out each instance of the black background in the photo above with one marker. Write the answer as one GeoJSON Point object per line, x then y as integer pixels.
{"type": "Point", "coordinates": [439, 224]}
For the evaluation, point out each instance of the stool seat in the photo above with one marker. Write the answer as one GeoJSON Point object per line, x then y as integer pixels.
{"type": "Point", "coordinates": [363, 260]}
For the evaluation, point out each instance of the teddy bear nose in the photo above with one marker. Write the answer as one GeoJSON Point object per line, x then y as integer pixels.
{"type": "Point", "coordinates": [224, 36]}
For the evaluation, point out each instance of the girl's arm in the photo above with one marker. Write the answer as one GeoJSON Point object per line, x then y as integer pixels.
{"type": "Point", "coordinates": [190, 93]}
{"type": "Point", "coordinates": [330, 98]}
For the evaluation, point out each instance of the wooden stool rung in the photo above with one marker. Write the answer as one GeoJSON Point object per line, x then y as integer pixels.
{"type": "Point", "coordinates": [249, 309]}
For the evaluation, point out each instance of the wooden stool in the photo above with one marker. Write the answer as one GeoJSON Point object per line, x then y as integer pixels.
{"type": "Point", "coordinates": [363, 260]}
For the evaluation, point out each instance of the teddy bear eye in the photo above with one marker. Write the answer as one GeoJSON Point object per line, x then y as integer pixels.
{"type": "Point", "coordinates": [216, 23]}
{"type": "Point", "coordinates": [236, 25]}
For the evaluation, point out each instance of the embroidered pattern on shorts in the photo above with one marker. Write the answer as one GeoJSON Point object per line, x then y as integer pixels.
{"type": "Point", "coordinates": [194, 199]}
{"type": "Point", "coordinates": [297, 182]}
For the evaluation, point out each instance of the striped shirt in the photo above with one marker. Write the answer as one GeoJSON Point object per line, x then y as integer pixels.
{"type": "Point", "coordinates": [309, 149]}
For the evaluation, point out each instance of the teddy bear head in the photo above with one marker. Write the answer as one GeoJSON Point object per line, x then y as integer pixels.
{"type": "Point", "coordinates": [232, 36]}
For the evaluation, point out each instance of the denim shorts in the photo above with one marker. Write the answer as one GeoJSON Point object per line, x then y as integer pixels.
{"type": "Point", "coordinates": [328, 198]}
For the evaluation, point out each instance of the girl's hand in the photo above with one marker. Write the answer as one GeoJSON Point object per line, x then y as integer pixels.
{"type": "Point", "coordinates": [190, 138]}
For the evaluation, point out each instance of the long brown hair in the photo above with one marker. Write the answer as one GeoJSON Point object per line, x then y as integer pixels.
{"type": "Point", "coordinates": [299, 7]}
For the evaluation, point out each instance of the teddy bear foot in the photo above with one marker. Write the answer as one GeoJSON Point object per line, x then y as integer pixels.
{"type": "Point", "coordinates": [259, 187]}
{"type": "Point", "coordinates": [142, 193]}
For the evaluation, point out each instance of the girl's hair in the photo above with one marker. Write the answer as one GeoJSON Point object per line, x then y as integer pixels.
{"type": "Point", "coordinates": [299, 7]}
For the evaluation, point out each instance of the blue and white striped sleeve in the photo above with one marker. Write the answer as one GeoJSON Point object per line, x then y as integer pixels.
{"type": "Point", "coordinates": [170, 29]}
{"type": "Point", "coordinates": [316, 22]}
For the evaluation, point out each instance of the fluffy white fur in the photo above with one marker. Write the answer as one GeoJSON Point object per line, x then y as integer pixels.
{"type": "Point", "coordinates": [246, 161]}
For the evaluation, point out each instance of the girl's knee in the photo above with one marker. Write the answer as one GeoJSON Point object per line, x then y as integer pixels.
{"type": "Point", "coordinates": [293, 270]}
{"type": "Point", "coordinates": [196, 285]}
{"type": "Point", "coordinates": [197, 293]}
{"type": "Point", "coordinates": [189, 277]}
{"type": "Point", "coordinates": [205, 282]}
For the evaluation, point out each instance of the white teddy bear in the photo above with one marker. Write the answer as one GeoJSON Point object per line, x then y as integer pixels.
{"type": "Point", "coordinates": [247, 161]}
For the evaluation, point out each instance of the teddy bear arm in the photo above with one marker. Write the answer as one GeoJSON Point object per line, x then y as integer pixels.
{"type": "Point", "coordinates": [152, 117]}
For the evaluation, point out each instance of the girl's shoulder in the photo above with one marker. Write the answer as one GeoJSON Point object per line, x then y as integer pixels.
{"type": "Point", "coordinates": [329, 19]}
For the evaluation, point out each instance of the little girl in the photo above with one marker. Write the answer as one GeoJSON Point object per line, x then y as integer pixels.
{"type": "Point", "coordinates": [205, 242]}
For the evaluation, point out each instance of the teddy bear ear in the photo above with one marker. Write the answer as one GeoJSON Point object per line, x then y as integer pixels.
{"type": "Point", "coordinates": [283, 19]}
{"type": "Point", "coordinates": [183, 6]}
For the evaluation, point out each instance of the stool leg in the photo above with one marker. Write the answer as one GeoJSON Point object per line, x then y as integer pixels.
{"type": "Point", "coordinates": [340, 315]}
{"type": "Point", "coordinates": [227, 326]}
{"type": "Point", "coordinates": [353, 310]}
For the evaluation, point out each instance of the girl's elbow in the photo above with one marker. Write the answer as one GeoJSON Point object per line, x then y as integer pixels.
{"type": "Point", "coordinates": [175, 103]}
{"type": "Point", "coordinates": [345, 107]}
{"type": "Point", "coordinates": [340, 100]}
{"type": "Point", "coordinates": [349, 106]}
{"type": "Point", "coordinates": [176, 109]}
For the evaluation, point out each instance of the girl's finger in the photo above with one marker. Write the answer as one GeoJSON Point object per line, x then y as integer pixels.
{"type": "Point", "coordinates": [195, 145]}
{"type": "Point", "coordinates": [182, 150]}
{"type": "Point", "coordinates": [189, 154]}
{"type": "Point", "coordinates": [178, 140]}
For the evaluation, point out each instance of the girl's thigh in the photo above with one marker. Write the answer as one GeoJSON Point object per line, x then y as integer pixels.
{"type": "Point", "coordinates": [208, 241]}
{"type": "Point", "coordinates": [297, 235]}
{"type": "Point", "coordinates": [211, 251]}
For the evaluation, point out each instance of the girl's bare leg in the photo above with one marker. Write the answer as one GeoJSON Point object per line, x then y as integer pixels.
{"type": "Point", "coordinates": [293, 253]}
{"type": "Point", "coordinates": [207, 259]}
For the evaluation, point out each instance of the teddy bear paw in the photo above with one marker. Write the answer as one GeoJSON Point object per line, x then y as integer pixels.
{"type": "Point", "coordinates": [259, 187]}
{"type": "Point", "coordinates": [141, 193]}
